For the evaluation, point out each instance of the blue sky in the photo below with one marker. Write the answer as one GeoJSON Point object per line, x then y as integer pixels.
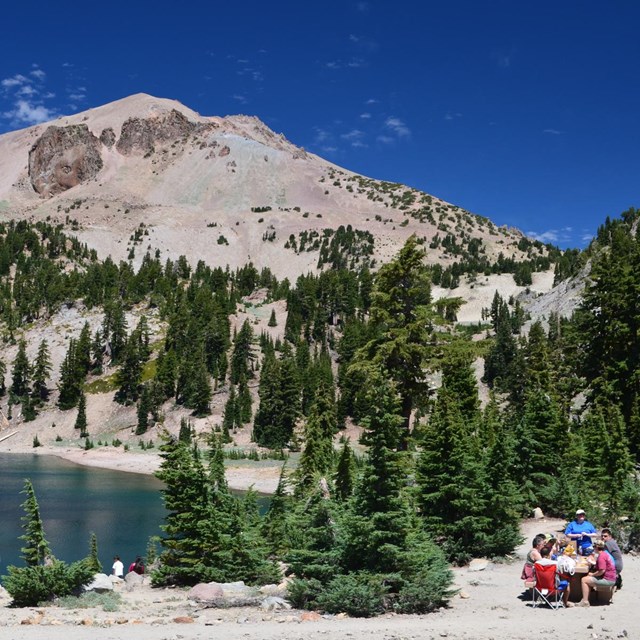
{"type": "Point", "coordinates": [528, 113]}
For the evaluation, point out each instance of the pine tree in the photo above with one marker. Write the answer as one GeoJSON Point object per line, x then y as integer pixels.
{"type": "Point", "coordinates": [272, 319]}
{"type": "Point", "coordinates": [3, 372]}
{"type": "Point", "coordinates": [83, 350]}
{"type": "Point", "coordinates": [401, 322]}
{"type": "Point", "coordinates": [186, 500]}
{"type": "Point", "coordinates": [129, 375]}
{"type": "Point", "coordinates": [449, 483]}
{"type": "Point", "coordinates": [344, 476]}
{"type": "Point", "coordinates": [29, 412]}
{"type": "Point", "coordinates": [231, 414]}
{"type": "Point", "coordinates": [318, 454]}
{"type": "Point", "coordinates": [166, 373]}
{"type": "Point", "coordinates": [143, 411]}
{"type": "Point", "coordinates": [242, 354]}
{"type": "Point", "coordinates": [36, 549]}
{"type": "Point", "coordinates": [71, 379]}
{"type": "Point", "coordinates": [81, 418]}
{"type": "Point", "coordinates": [200, 394]}
{"type": "Point", "coordinates": [41, 371]}
{"type": "Point", "coordinates": [93, 560]}
{"type": "Point", "coordinates": [186, 431]}
{"type": "Point", "coordinates": [21, 372]}
{"type": "Point", "coordinates": [244, 401]}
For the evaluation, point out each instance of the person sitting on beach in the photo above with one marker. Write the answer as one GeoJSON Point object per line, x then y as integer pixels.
{"type": "Point", "coordinates": [612, 547]}
{"type": "Point", "coordinates": [137, 566]}
{"type": "Point", "coordinates": [118, 568]}
{"type": "Point", "coordinates": [581, 530]}
{"type": "Point", "coordinates": [604, 574]}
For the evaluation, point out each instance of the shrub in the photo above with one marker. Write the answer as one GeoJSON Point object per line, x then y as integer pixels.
{"type": "Point", "coordinates": [360, 595]}
{"type": "Point", "coordinates": [304, 593]}
{"type": "Point", "coordinates": [29, 586]}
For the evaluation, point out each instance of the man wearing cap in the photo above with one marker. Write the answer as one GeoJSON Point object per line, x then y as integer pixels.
{"type": "Point", "coordinates": [581, 530]}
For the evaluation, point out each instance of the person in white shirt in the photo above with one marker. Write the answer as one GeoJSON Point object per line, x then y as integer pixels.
{"type": "Point", "coordinates": [118, 567]}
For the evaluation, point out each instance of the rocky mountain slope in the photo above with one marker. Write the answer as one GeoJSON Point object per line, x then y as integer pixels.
{"type": "Point", "coordinates": [224, 190]}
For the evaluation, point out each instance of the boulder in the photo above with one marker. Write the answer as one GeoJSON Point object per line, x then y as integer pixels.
{"type": "Point", "coordinates": [101, 583]}
{"type": "Point", "coordinates": [479, 564]}
{"type": "Point", "coordinates": [273, 603]}
{"type": "Point", "coordinates": [205, 592]}
{"type": "Point", "coordinates": [133, 580]}
{"type": "Point", "coordinates": [537, 514]}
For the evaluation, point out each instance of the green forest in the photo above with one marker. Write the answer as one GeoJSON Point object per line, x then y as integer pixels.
{"type": "Point", "coordinates": [438, 476]}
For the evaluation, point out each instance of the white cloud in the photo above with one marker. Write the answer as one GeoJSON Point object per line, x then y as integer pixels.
{"type": "Point", "coordinates": [553, 235]}
{"type": "Point", "coordinates": [239, 98]}
{"type": "Point", "coordinates": [398, 127]}
{"type": "Point", "coordinates": [586, 237]}
{"type": "Point", "coordinates": [546, 236]}
{"type": "Point", "coordinates": [321, 135]}
{"type": "Point", "coordinates": [329, 149]}
{"type": "Point", "coordinates": [24, 98]}
{"type": "Point", "coordinates": [26, 90]}
{"type": "Point", "coordinates": [16, 81]}
{"type": "Point", "coordinates": [356, 63]}
{"type": "Point", "coordinates": [358, 144]}
{"type": "Point", "coordinates": [385, 139]}
{"type": "Point", "coordinates": [372, 101]}
{"type": "Point", "coordinates": [354, 134]}
{"type": "Point", "coordinates": [365, 116]}
{"type": "Point", "coordinates": [555, 132]}
{"type": "Point", "coordinates": [27, 113]}
{"type": "Point", "coordinates": [77, 97]}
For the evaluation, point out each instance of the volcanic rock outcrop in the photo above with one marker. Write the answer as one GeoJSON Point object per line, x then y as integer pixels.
{"type": "Point", "coordinates": [140, 135]}
{"type": "Point", "coordinates": [62, 158]}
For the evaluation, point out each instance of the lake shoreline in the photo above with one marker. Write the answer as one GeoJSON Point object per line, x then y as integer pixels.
{"type": "Point", "coordinates": [241, 478]}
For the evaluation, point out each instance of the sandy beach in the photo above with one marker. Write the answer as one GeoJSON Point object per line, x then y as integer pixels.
{"type": "Point", "coordinates": [263, 479]}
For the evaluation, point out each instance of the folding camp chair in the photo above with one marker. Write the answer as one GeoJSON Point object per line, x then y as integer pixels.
{"type": "Point", "coordinates": [546, 589]}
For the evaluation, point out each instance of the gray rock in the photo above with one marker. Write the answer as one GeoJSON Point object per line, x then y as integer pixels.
{"type": "Point", "coordinates": [101, 583]}
{"type": "Point", "coordinates": [537, 514]}
{"type": "Point", "coordinates": [479, 564]}
{"type": "Point", "coordinates": [205, 592]}
{"type": "Point", "coordinates": [133, 580]}
{"type": "Point", "coordinates": [273, 603]}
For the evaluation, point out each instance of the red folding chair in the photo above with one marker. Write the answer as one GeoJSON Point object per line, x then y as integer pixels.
{"type": "Point", "coordinates": [546, 587]}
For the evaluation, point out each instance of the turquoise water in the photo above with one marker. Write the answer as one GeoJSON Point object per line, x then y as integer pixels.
{"type": "Point", "coordinates": [123, 509]}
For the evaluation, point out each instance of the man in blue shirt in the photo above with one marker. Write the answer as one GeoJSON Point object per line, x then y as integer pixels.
{"type": "Point", "coordinates": [581, 531]}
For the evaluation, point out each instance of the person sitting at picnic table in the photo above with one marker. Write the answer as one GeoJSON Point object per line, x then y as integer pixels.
{"type": "Point", "coordinates": [612, 547]}
{"type": "Point", "coordinates": [550, 542]}
{"type": "Point", "coordinates": [533, 556]}
{"type": "Point", "coordinates": [604, 574]}
{"type": "Point", "coordinates": [581, 530]}
{"type": "Point", "coordinates": [561, 582]}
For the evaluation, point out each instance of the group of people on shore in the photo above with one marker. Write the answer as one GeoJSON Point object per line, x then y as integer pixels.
{"type": "Point", "coordinates": [137, 566]}
{"type": "Point", "coordinates": [580, 538]}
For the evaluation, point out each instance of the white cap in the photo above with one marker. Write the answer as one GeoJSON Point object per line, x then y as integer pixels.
{"type": "Point", "coordinates": [580, 512]}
